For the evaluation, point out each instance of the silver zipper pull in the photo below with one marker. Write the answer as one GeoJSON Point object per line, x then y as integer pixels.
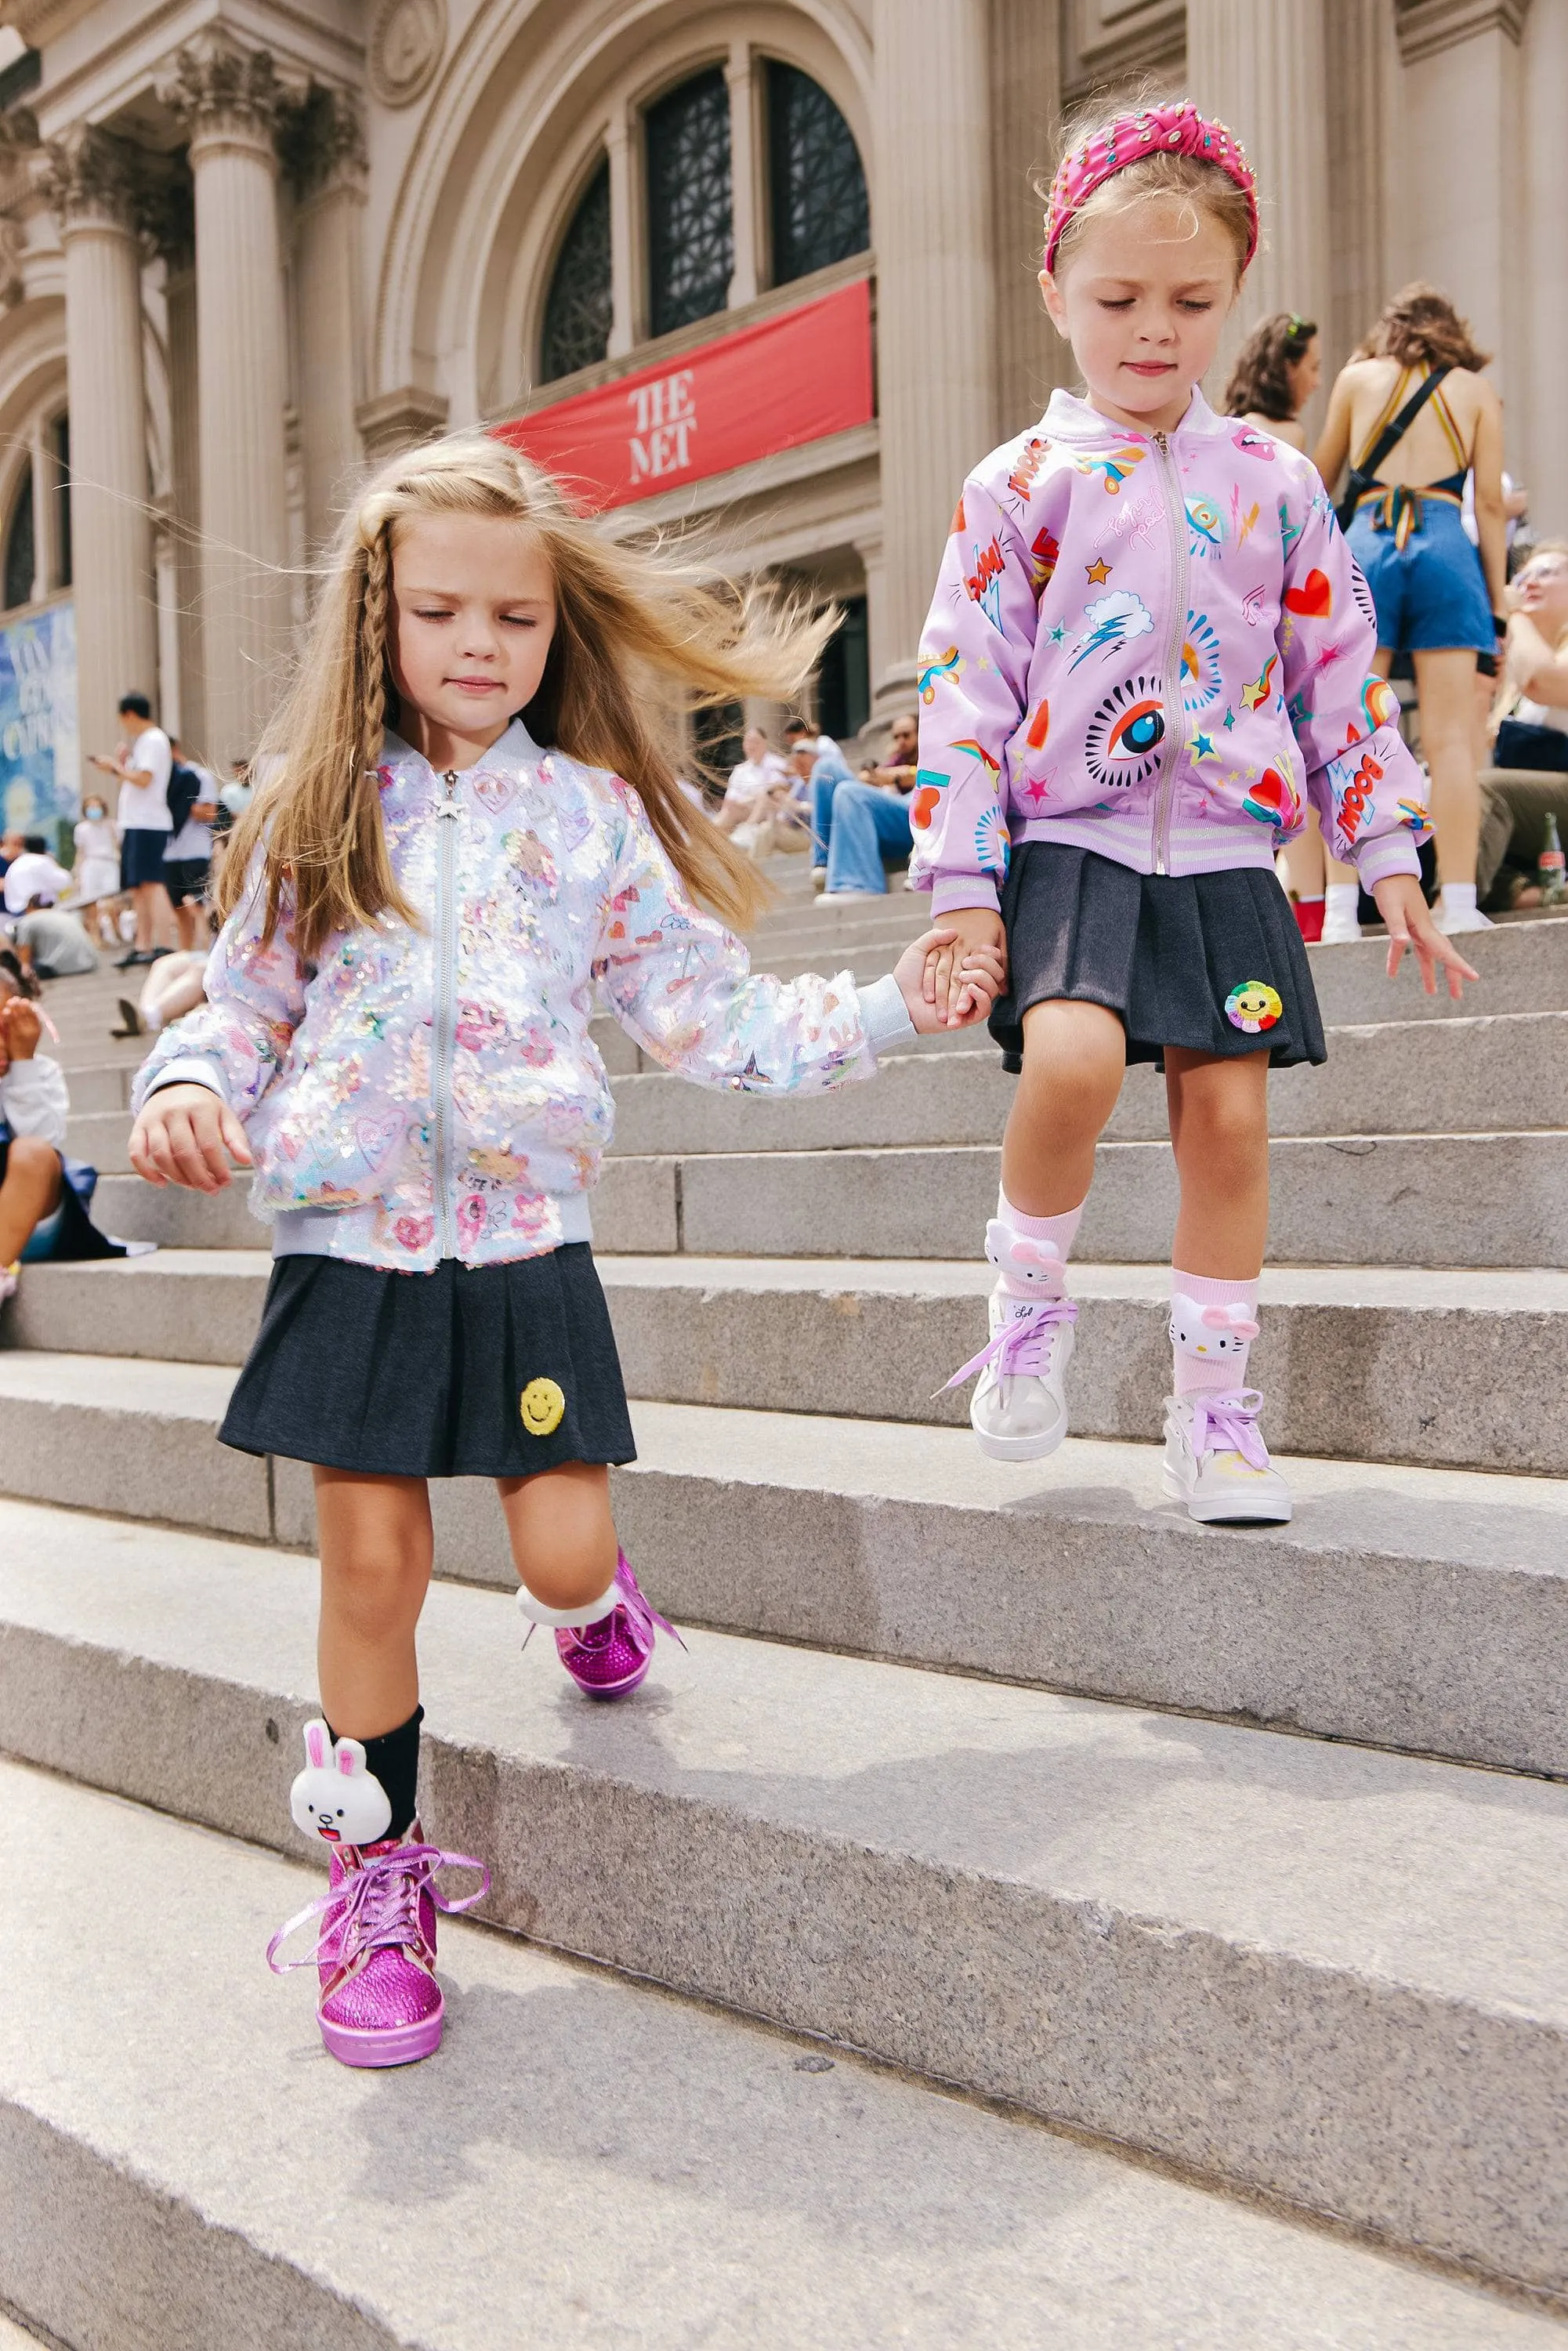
{"type": "Point", "coordinates": [449, 805]}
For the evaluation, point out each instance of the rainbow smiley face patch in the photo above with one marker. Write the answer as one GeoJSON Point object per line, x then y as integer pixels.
{"type": "Point", "coordinates": [1254, 1007]}
{"type": "Point", "coordinates": [542, 1407]}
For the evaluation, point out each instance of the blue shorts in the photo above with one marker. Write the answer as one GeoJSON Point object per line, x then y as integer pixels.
{"type": "Point", "coordinates": [142, 856]}
{"type": "Point", "coordinates": [1432, 595]}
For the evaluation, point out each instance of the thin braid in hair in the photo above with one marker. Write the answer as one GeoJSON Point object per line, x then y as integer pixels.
{"type": "Point", "coordinates": [373, 649]}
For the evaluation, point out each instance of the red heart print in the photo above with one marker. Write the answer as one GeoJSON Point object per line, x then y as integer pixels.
{"type": "Point", "coordinates": [1313, 599]}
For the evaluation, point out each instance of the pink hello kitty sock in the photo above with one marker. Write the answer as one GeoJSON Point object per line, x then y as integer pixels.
{"type": "Point", "coordinates": [1053, 1235]}
{"type": "Point", "coordinates": [1213, 1324]}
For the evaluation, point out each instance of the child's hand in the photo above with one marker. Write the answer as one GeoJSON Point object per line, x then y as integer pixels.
{"type": "Point", "coordinates": [181, 1136]}
{"type": "Point", "coordinates": [1404, 909]}
{"type": "Point", "coordinates": [20, 1030]}
{"type": "Point", "coordinates": [975, 984]}
{"type": "Point", "coordinates": [948, 948]}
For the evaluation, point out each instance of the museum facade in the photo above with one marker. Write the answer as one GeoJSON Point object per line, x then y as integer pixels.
{"type": "Point", "coordinates": [763, 268]}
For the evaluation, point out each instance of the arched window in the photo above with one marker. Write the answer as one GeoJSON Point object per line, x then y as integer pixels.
{"type": "Point", "coordinates": [20, 563]}
{"type": "Point", "coordinates": [577, 308]}
{"type": "Point", "coordinates": [820, 212]}
{"type": "Point", "coordinates": [691, 223]}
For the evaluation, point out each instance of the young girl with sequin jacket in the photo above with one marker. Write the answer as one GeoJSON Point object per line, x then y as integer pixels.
{"type": "Point", "coordinates": [469, 834]}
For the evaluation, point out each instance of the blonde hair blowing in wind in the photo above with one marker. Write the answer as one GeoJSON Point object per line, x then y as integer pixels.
{"type": "Point", "coordinates": [640, 634]}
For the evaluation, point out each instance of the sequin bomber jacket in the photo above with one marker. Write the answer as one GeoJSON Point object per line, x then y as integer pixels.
{"type": "Point", "coordinates": [1157, 647]}
{"type": "Point", "coordinates": [416, 1094]}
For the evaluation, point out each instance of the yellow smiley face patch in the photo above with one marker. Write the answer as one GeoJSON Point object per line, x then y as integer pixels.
{"type": "Point", "coordinates": [542, 1407]}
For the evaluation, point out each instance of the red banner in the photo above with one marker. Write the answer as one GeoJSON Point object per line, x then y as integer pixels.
{"type": "Point", "coordinates": [790, 379]}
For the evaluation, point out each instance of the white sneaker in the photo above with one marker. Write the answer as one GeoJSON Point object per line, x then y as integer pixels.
{"type": "Point", "coordinates": [10, 1280]}
{"type": "Point", "coordinates": [1217, 1462]}
{"type": "Point", "coordinates": [1019, 1411]}
{"type": "Point", "coordinates": [818, 879]}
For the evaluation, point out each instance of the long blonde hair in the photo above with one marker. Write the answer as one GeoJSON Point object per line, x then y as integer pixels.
{"type": "Point", "coordinates": [640, 634]}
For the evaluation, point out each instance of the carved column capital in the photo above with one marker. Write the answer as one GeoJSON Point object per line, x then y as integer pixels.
{"type": "Point", "coordinates": [19, 134]}
{"type": "Point", "coordinates": [92, 179]}
{"type": "Point", "coordinates": [322, 142]}
{"type": "Point", "coordinates": [220, 91]}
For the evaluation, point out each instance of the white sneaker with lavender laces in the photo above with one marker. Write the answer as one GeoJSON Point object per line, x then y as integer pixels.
{"type": "Point", "coordinates": [1217, 1462]}
{"type": "Point", "coordinates": [1019, 1411]}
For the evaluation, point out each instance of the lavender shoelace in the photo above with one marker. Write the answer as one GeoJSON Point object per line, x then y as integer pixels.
{"type": "Point", "coordinates": [1020, 1347]}
{"type": "Point", "coordinates": [1228, 1424]}
{"type": "Point", "coordinates": [380, 1903]}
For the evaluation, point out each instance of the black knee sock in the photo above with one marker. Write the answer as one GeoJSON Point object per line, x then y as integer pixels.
{"type": "Point", "coordinates": [393, 1760]}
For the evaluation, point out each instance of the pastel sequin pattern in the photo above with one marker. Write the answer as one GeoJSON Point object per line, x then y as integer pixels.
{"type": "Point", "coordinates": [565, 905]}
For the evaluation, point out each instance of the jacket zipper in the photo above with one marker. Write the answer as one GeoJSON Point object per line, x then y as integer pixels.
{"type": "Point", "coordinates": [1176, 713]}
{"type": "Point", "coordinates": [445, 1042]}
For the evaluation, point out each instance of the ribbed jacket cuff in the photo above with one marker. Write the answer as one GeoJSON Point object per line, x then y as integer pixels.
{"type": "Point", "coordinates": [885, 1015]}
{"type": "Point", "coordinates": [949, 892]}
{"type": "Point", "coordinates": [192, 1070]}
{"type": "Point", "coordinates": [1393, 853]}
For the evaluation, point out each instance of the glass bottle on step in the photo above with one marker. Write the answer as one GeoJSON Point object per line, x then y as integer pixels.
{"type": "Point", "coordinates": [1550, 867]}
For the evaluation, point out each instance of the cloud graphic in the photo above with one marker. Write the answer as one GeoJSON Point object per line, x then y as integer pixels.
{"type": "Point", "coordinates": [1112, 620]}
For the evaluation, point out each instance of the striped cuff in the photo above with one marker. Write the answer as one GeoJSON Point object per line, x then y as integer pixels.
{"type": "Point", "coordinates": [885, 1015]}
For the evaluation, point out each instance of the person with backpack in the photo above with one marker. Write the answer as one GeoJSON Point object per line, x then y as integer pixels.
{"type": "Point", "coordinates": [188, 858]}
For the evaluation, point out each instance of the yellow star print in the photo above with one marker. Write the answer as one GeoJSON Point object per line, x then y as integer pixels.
{"type": "Point", "coordinates": [1099, 571]}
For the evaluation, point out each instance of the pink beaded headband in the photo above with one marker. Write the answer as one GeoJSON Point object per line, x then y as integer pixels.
{"type": "Point", "coordinates": [1155, 130]}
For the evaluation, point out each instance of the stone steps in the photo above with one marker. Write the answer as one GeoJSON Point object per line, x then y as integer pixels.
{"type": "Point", "coordinates": [1425, 1610]}
{"type": "Point", "coordinates": [1352, 1200]}
{"type": "Point", "coordinates": [1323, 1972]}
{"type": "Point", "coordinates": [1462, 1370]}
{"type": "Point", "coordinates": [1503, 1074]}
{"type": "Point", "coordinates": [586, 2155]}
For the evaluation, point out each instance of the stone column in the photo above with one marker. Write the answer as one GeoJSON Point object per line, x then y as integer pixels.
{"type": "Point", "coordinates": [1261, 67]}
{"type": "Point", "coordinates": [625, 307]}
{"type": "Point", "coordinates": [93, 182]}
{"type": "Point", "coordinates": [327, 153]}
{"type": "Point", "coordinates": [743, 173]}
{"type": "Point", "coordinates": [931, 198]}
{"type": "Point", "coordinates": [1464, 158]}
{"type": "Point", "coordinates": [231, 101]}
{"type": "Point", "coordinates": [185, 482]}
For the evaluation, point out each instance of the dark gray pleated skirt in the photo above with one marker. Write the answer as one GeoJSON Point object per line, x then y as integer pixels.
{"type": "Point", "coordinates": [422, 1375]}
{"type": "Point", "coordinates": [1210, 961]}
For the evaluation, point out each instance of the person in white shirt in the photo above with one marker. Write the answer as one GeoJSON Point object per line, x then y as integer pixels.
{"type": "Point", "coordinates": [754, 808]}
{"type": "Point", "coordinates": [35, 875]}
{"type": "Point", "coordinates": [97, 837]}
{"type": "Point", "coordinates": [144, 767]}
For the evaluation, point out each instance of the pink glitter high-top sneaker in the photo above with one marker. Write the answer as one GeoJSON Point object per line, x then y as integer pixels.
{"type": "Point", "coordinates": [609, 1657]}
{"type": "Point", "coordinates": [380, 2003]}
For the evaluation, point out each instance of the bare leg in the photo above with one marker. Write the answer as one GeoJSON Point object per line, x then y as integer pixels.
{"type": "Point", "coordinates": [562, 1534]}
{"type": "Point", "coordinates": [1219, 1131]}
{"type": "Point", "coordinates": [1305, 859]}
{"type": "Point", "coordinates": [1075, 1056]}
{"type": "Point", "coordinates": [1447, 682]}
{"type": "Point", "coordinates": [31, 1191]}
{"type": "Point", "coordinates": [376, 1554]}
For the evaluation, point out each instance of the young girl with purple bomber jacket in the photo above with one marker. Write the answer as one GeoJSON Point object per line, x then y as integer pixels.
{"type": "Point", "coordinates": [469, 836]}
{"type": "Point", "coordinates": [1149, 652]}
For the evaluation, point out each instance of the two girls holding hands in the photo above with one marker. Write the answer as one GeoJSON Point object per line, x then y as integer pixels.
{"type": "Point", "coordinates": [1149, 649]}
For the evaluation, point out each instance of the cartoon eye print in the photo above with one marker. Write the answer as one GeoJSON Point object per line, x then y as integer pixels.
{"type": "Point", "coordinates": [1200, 672]}
{"type": "Point", "coordinates": [1122, 744]}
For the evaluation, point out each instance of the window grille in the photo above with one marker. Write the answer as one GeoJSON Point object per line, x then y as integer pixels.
{"type": "Point", "coordinates": [19, 549]}
{"type": "Point", "coordinates": [818, 206]}
{"type": "Point", "coordinates": [577, 308]}
{"type": "Point", "coordinates": [691, 221]}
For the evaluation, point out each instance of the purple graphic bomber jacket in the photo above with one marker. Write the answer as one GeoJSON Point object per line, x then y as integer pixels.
{"type": "Point", "coordinates": [419, 1093]}
{"type": "Point", "coordinates": [1157, 647]}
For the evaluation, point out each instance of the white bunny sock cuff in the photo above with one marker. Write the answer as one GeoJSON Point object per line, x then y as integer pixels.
{"type": "Point", "coordinates": [587, 1612]}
